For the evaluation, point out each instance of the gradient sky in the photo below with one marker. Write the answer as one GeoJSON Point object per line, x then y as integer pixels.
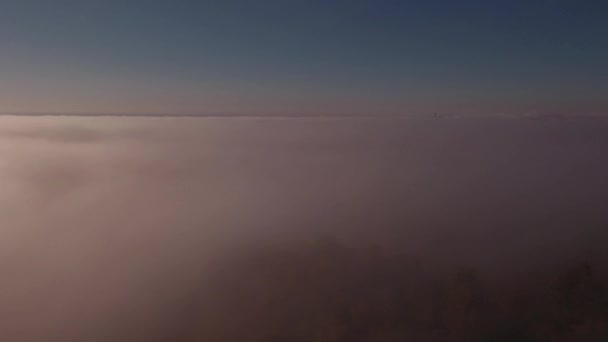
{"type": "Point", "coordinates": [314, 56]}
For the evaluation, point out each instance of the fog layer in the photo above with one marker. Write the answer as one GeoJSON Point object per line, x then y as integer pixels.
{"type": "Point", "coordinates": [110, 224]}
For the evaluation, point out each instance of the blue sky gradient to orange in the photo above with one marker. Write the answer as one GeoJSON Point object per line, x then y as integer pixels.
{"type": "Point", "coordinates": [304, 57]}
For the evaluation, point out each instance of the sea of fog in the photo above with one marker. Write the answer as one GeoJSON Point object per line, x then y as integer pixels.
{"type": "Point", "coordinates": [107, 222]}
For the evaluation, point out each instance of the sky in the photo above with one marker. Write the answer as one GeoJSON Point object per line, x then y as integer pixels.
{"type": "Point", "coordinates": [335, 57]}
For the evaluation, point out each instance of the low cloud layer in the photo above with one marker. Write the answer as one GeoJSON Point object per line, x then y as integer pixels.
{"type": "Point", "coordinates": [109, 222]}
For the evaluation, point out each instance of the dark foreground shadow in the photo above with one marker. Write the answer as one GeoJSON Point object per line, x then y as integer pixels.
{"type": "Point", "coordinates": [323, 291]}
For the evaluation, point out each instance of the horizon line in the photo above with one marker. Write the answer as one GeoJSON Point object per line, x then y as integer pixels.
{"type": "Point", "coordinates": [434, 115]}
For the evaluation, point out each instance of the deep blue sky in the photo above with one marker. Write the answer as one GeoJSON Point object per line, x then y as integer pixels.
{"type": "Point", "coordinates": [315, 56]}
